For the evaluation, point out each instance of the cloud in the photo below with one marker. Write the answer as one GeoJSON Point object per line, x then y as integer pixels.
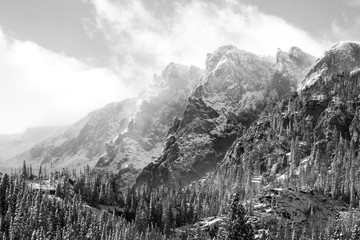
{"type": "Point", "coordinates": [352, 3]}
{"type": "Point", "coordinates": [39, 87]}
{"type": "Point", "coordinates": [144, 42]}
{"type": "Point", "coordinates": [344, 29]}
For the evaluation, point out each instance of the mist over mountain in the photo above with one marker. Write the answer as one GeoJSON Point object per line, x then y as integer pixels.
{"type": "Point", "coordinates": [127, 134]}
{"type": "Point", "coordinates": [13, 144]}
{"type": "Point", "coordinates": [291, 68]}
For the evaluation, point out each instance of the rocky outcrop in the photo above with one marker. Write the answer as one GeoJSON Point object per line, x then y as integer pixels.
{"type": "Point", "coordinates": [200, 141]}
{"type": "Point", "coordinates": [235, 80]}
{"type": "Point", "coordinates": [291, 68]}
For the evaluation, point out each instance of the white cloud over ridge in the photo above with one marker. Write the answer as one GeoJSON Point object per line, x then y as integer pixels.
{"type": "Point", "coordinates": [344, 30]}
{"type": "Point", "coordinates": [146, 42]}
{"type": "Point", "coordinates": [41, 88]}
{"type": "Point", "coordinates": [352, 3]}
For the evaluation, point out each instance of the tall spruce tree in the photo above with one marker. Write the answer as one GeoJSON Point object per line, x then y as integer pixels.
{"type": "Point", "coordinates": [238, 226]}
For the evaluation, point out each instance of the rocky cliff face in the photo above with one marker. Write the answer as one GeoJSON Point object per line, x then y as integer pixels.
{"type": "Point", "coordinates": [142, 140]}
{"type": "Point", "coordinates": [291, 68]}
{"type": "Point", "coordinates": [125, 134]}
{"type": "Point", "coordinates": [235, 88]}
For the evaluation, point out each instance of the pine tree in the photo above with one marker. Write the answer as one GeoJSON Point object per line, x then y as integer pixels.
{"type": "Point", "coordinates": [238, 226]}
{"type": "Point", "coordinates": [24, 173]}
{"type": "Point", "coordinates": [40, 173]}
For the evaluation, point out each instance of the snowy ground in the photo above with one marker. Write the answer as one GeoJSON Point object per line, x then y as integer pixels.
{"type": "Point", "coordinates": [44, 185]}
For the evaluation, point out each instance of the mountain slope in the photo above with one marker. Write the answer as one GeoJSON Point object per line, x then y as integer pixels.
{"type": "Point", "coordinates": [163, 102]}
{"type": "Point", "coordinates": [130, 131]}
{"type": "Point", "coordinates": [309, 119]}
{"type": "Point", "coordinates": [81, 143]}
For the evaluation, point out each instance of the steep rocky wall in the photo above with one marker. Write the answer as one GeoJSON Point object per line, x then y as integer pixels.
{"type": "Point", "coordinates": [236, 87]}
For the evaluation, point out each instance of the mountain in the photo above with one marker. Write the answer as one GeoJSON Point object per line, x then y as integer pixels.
{"type": "Point", "coordinates": [235, 88]}
{"type": "Point", "coordinates": [186, 119]}
{"type": "Point", "coordinates": [309, 139]}
{"type": "Point", "coordinates": [76, 145]}
{"type": "Point", "coordinates": [127, 132]}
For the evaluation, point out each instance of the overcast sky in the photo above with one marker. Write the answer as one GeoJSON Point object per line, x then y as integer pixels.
{"type": "Point", "coordinates": [60, 59]}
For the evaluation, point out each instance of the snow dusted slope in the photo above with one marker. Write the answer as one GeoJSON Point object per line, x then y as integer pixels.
{"type": "Point", "coordinates": [235, 79]}
{"type": "Point", "coordinates": [343, 56]}
{"type": "Point", "coordinates": [130, 132]}
{"type": "Point", "coordinates": [142, 140]}
{"type": "Point", "coordinates": [82, 143]}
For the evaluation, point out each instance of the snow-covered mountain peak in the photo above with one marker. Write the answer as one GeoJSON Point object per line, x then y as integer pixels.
{"type": "Point", "coordinates": [291, 68]}
{"type": "Point", "coordinates": [282, 56]}
{"type": "Point", "coordinates": [175, 77]}
{"type": "Point", "coordinates": [303, 59]}
{"type": "Point", "coordinates": [295, 56]}
{"type": "Point", "coordinates": [344, 46]}
{"type": "Point", "coordinates": [296, 52]}
{"type": "Point", "coordinates": [341, 57]}
{"type": "Point", "coordinates": [225, 54]}
{"type": "Point", "coordinates": [230, 67]}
